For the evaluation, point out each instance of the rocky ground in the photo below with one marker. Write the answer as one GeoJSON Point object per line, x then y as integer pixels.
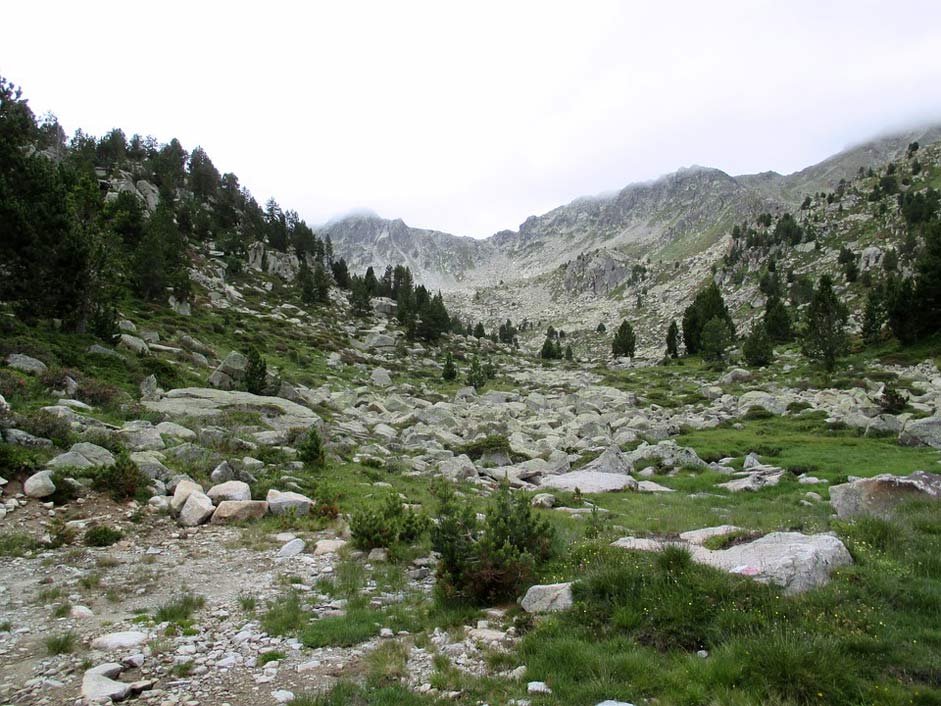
{"type": "Point", "coordinates": [736, 466]}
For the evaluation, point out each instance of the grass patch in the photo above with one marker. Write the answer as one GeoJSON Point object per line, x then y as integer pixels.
{"type": "Point", "coordinates": [180, 610]}
{"type": "Point", "coordinates": [358, 625]}
{"type": "Point", "coordinates": [61, 644]}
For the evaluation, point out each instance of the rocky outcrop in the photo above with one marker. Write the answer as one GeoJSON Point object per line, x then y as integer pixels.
{"type": "Point", "coordinates": [881, 494]}
{"type": "Point", "coordinates": [794, 561]}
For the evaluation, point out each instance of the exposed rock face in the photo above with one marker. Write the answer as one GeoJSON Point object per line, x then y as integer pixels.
{"type": "Point", "coordinates": [922, 432]}
{"type": "Point", "coordinates": [881, 494]}
{"type": "Point", "coordinates": [274, 262]}
{"type": "Point", "coordinates": [207, 402]}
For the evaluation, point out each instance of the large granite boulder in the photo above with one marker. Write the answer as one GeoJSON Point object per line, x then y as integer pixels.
{"type": "Point", "coordinates": [880, 494]}
{"type": "Point", "coordinates": [590, 482]}
{"type": "Point", "coordinates": [796, 562]}
{"type": "Point", "coordinates": [207, 403]}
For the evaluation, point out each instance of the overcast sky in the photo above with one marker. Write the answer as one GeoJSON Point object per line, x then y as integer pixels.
{"type": "Point", "coordinates": [470, 117]}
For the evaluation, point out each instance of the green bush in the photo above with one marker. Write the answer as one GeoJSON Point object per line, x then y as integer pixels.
{"type": "Point", "coordinates": [387, 525]}
{"type": "Point", "coordinates": [493, 563]}
{"type": "Point", "coordinates": [757, 347]}
{"type": "Point", "coordinates": [122, 481]}
{"type": "Point", "coordinates": [48, 426]}
{"type": "Point", "coordinates": [311, 450]}
{"type": "Point", "coordinates": [102, 536]}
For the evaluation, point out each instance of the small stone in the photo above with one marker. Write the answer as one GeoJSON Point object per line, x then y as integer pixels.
{"type": "Point", "coordinates": [538, 687]}
{"type": "Point", "coordinates": [292, 548]}
{"type": "Point", "coordinates": [329, 546]}
{"type": "Point", "coordinates": [282, 696]}
{"type": "Point", "coordinates": [119, 641]}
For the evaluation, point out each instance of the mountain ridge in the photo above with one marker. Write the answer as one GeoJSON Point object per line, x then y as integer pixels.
{"type": "Point", "coordinates": [672, 216]}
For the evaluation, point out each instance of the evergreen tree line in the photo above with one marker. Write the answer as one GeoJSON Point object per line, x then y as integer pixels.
{"type": "Point", "coordinates": [71, 248]}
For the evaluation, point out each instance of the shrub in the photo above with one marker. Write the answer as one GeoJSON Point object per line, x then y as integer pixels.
{"type": "Point", "coordinates": [389, 524]}
{"type": "Point", "coordinates": [311, 450]}
{"type": "Point", "coordinates": [493, 563]}
{"type": "Point", "coordinates": [715, 338]}
{"type": "Point", "coordinates": [60, 644]}
{"type": "Point", "coordinates": [476, 376]}
{"type": "Point", "coordinates": [494, 443]}
{"type": "Point", "coordinates": [892, 401]}
{"type": "Point", "coordinates": [624, 341]}
{"type": "Point", "coordinates": [49, 426]}
{"type": "Point", "coordinates": [256, 373]}
{"type": "Point", "coordinates": [102, 536]}
{"type": "Point", "coordinates": [450, 371]}
{"type": "Point", "coordinates": [122, 481]}
{"type": "Point", "coordinates": [757, 346]}
{"type": "Point", "coordinates": [181, 609]}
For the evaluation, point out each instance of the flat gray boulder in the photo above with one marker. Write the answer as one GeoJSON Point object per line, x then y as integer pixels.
{"type": "Point", "coordinates": [796, 562]}
{"type": "Point", "coordinates": [230, 490]}
{"type": "Point", "coordinates": [880, 494]}
{"type": "Point", "coordinates": [239, 511]}
{"type": "Point", "coordinates": [590, 482]}
{"type": "Point", "coordinates": [25, 364]}
{"type": "Point", "coordinates": [205, 402]}
{"type": "Point", "coordinates": [547, 598]}
{"type": "Point", "coordinates": [922, 432]}
{"type": "Point", "coordinates": [119, 641]}
{"type": "Point", "coordinates": [611, 461]}
{"type": "Point", "coordinates": [280, 503]}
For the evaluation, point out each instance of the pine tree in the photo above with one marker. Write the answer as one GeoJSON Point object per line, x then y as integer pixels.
{"type": "Point", "coordinates": [479, 331]}
{"type": "Point", "coordinates": [551, 350]}
{"type": "Point", "coordinates": [707, 305]}
{"type": "Point", "coordinates": [902, 309]}
{"type": "Point", "coordinates": [777, 320]}
{"type": "Point", "coordinates": [928, 283]}
{"type": "Point", "coordinates": [569, 356]}
{"type": "Point", "coordinates": [874, 316]}
{"type": "Point", "coordinates": [320, 283]}
{"type": "Point", "coordinates": [673, 340]}
{"type": "Point", "coordinates": [475, 374]}
{"type": "Point", "coordinates": [256, 373]}
{"type": "Point", "coordinates": [305, 282]}
{"type": "Point", "coordinates": [624, 341]}
{"type": "Point", "coordinates": [311, 450]}
{"type": "Point", "coordinates": [359, 298]}
{"type": "Point", "coordinates": [824, 334]}
{"type": "Point", "coordinates": [450, 370]}
{"type": "Point", "coordinates": [715, 338]}
{"type": "Point", "coordinates": [757, 347]}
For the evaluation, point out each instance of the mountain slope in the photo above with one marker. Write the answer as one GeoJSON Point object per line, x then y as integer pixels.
{"type": "Point", "coordinates": [671, 218]}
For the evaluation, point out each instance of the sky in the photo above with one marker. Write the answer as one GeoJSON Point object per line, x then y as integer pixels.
{"type": "Point", "coordinates": [469, 117]}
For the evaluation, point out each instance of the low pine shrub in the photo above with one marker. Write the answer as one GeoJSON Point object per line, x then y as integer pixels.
{"type": "Point", "coordinates": [102, 536]}
{"type": "Point", "coordinates": [387, 525]}
{"type": "Point", "coordinates": [122, 481]}
{"type": "Point", "coordinates": [493, 563]}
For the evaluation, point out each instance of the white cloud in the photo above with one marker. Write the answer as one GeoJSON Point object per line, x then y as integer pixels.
{"type": "Point", "coordinates": [468, 118]}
